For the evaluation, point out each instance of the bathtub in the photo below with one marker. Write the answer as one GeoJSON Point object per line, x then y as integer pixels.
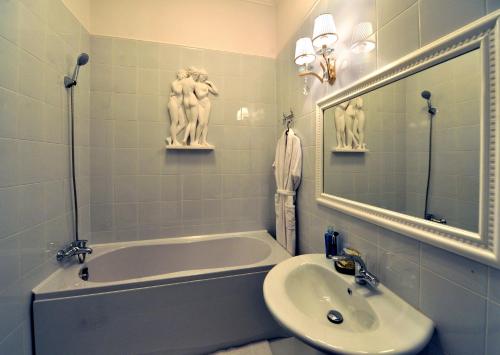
{"type": "Point", "coordinates": [188, 295]}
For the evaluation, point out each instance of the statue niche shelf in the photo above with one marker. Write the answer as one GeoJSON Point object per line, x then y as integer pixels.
{"type": "Point", "coordinates": [350, 150]}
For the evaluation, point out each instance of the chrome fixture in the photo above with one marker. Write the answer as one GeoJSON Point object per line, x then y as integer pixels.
{"type": "Point", "coordinates": [433, 218]}
{"type": "Point", "coordinates": [334, 316]}
{"type": "Point", "coordinates": [69, 82]}
{"type": "Point", "coordinates": [77, 248]}
{"type": "Point", "coordinates": [426, 95]}
{"type": "Point", "coordinates": [432, 111]}
{"type": "Point", "coordinates": [361, 275]}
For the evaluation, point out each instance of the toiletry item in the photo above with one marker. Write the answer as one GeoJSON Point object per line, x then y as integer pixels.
{"type": "Point", "coordinates": [330, 242]}
{"type": "Point", "coordinates": [345, 266]}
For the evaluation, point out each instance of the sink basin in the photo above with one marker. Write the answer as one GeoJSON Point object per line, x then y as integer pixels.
{"type": "Point", "coordinates": [300, 292]}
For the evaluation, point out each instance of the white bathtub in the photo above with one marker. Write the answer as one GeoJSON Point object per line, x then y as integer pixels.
{"type": "Point", "coordinates": [189, 295]}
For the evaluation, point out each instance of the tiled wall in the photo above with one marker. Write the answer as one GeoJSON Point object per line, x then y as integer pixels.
{"type": "Point", "coordinates": [460, 295]}
{"type": "Point", "coordinates": [39, 44]}
{"type": "Point", "coordinates": [141, 191]}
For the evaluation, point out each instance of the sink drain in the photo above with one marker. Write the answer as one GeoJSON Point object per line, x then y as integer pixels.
{"type": "Point", "coordinates": [335, 316]}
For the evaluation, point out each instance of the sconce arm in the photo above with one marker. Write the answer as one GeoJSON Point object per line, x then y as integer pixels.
{"type": "Point", "coordinates": [313, 74]}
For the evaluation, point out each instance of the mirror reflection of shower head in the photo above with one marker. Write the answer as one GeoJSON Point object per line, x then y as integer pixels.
{"type": "Point", "coordinates": [83, 59]}
{"type": "Point", "coordinates": [426, 94]}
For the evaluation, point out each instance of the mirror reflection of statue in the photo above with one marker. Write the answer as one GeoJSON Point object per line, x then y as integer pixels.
{"type": "Point", "coordinates": [350, 124]}
{"type": "Point", "coordinates": [189, 107]}
{"type": "Point", "coordinates": [339, 116]}
{"type": "Point", "coordinates": [359, 123]}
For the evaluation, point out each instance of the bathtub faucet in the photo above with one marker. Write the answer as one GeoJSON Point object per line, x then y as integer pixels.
{"type": "Point", "coordinates": [78, 248]}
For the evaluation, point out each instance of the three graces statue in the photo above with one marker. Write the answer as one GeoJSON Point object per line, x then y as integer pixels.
{"type": "Point", "coordinates": [189, 108]}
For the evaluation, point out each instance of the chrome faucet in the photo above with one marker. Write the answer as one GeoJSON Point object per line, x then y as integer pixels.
{"type": "Point", "coordinates": [361, 274]}
{"type": "Point", "coordinates": [78, 248]}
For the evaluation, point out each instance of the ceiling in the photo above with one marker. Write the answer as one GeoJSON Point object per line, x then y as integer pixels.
{"type": "Point", "coordinates": [263, 2]}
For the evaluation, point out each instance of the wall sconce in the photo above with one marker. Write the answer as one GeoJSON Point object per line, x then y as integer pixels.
{"type": "Point", "coordinates": [324, 37]}
{"type": "Point", "coordinates": [363, 40]}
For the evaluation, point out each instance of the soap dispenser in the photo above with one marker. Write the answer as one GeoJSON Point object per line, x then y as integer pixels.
{"type": "Point", "coordinates": [331, 242]}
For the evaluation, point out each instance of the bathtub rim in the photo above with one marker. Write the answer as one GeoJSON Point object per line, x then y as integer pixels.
{"type": "Point", "coordinates": [64, 282]}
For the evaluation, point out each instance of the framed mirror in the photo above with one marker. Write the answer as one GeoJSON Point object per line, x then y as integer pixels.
{"type": "Point", "coordinates": [414, 146]}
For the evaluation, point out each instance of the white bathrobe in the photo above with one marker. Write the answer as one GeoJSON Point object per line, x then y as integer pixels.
{"type": "Point", "coordinates": [287, 172]}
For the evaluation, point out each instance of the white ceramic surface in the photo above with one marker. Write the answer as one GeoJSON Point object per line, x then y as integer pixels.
{"type": "Point", "coordinates": [179, 296]}
{"type": "Point", "coordinates": [300, 291]}
{"type": "Point", "coordinates": [126, 265]}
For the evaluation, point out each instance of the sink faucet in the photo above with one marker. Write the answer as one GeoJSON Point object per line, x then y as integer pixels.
{"type": "Point", "coordinates": [78, 248]}
{"type": "Point", "coordinates": [361, 274]}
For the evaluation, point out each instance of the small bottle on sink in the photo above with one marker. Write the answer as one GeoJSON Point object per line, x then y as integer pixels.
{"type": "Point", "coordinates": [331, 242]}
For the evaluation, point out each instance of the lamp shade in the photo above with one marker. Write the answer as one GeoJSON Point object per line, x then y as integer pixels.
{"type": "Point", "coordinates": [304, 51]}
{"type": "Point", "coordinates": [325, 31]}
{"type": "Point", "coordinates": [362, 38]}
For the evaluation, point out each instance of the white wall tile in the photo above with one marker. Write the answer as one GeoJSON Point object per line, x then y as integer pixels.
{"type": "Point", "coordinates": [124, 107]}
{"type": "Point", "coordinates": [170, 57]}
{"type": "Point", "coordinates": [124, 52]}
{"type": "Point", "coordinates": [9, 111]}
{"type": "Point", "coordinates": [9, 19]}
{"type": "Point", "coordinates": [403, 30]}
{"type": "Point", "coordinates": [9, 262]}
{"type": "Point", "coordinates": [101, 217]}
{"type": "Point", "coordinates": [14, 342]}
{"type": "Point", "coordinates": [148, 83]}
{"type": "Point", "coordinates": [148, 54]}
{"type": "Point", "coordinates": [492, 5]}
{"type": "Point", "coordinates": [400, 275]}
{"type": "Point", "coordinates": [101, 49]}
{"type": "Point", "coordinates": [126, 216]}
{"type": "Point", "coordinates": [494, 289]}
{"type": "Point", "coordinates": [399, 245]}
{"type": "Point", "coordinates": [493, 331]}
{"type": "Point", "coordinates": [459, 13]}
{"type": "Point", "coordinates": [458, 314]}
{"type": "Point", "coordinates": [101, 77]}
{"type": "Point", "coordinates": [468, 273]}
{"type": "Point", "coordinates": [9, 76]}
{"type": "Point", "coordinates": [31, 32]}
{"type": "Point", "coordinates": [124, 80]}
{"type": "Point", "coordinates": [389, 9]}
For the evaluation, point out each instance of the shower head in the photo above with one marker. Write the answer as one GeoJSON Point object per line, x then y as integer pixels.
{"type": "Point", "coordinates": [426, 94]}
{"type": "Point", "coordinates": [82, 59]}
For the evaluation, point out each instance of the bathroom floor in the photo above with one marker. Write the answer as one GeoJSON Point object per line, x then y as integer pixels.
{"type": "Point", "coordinates": [283, 346]}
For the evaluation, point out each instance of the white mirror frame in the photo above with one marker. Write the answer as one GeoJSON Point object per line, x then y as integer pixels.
{"type": "Point", "coordinates": [483, 246]}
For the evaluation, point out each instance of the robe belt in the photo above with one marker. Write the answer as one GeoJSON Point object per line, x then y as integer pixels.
{"type": "Point", "coordinates": [286, 192]}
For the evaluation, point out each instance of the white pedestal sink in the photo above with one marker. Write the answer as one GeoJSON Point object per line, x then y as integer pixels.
{"type": "Point", "coordinates": [301, 291]}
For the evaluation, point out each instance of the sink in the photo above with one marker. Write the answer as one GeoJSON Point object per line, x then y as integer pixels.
{"type": "Point", "coordinates": [301, 291]}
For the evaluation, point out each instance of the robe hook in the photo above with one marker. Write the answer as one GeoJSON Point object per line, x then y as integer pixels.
{"type": "Point", "coordinates": [288, 119]}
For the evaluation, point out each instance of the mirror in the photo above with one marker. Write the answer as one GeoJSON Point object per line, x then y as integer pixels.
{"type": "Point", "coordinates": [411, 146]}
{"type": "Point", "coordinates": [375, 159]}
